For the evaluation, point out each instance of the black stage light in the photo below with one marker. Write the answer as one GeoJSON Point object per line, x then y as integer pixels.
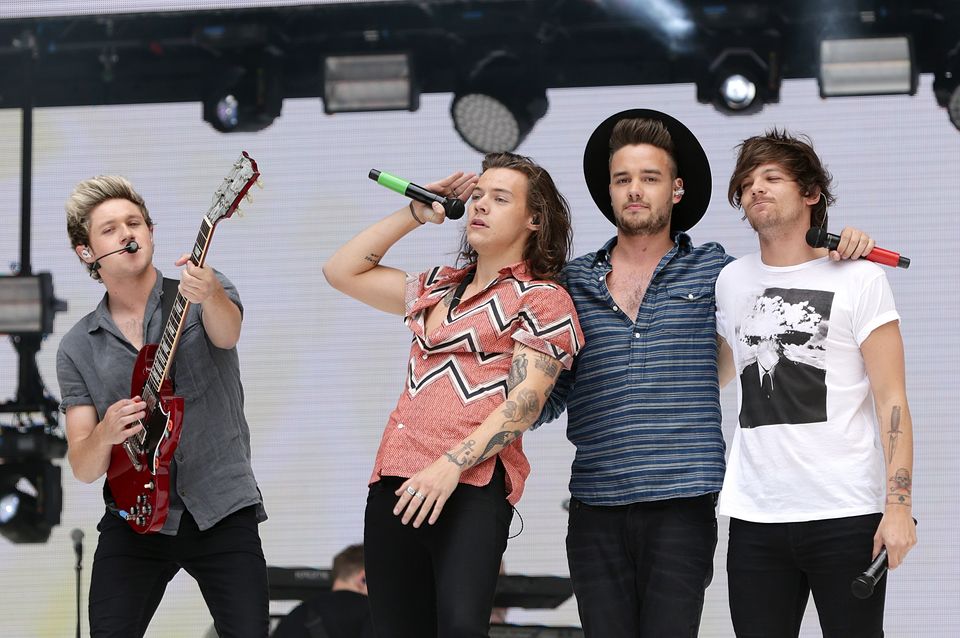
{"type": "Point", "coordinates": [739, 82]}
{"type": "Point", "coordinates": [30, 500]}
{"type": "Point", "coordinates": [245, 98]}
{"type": "Point", "coordinates": [498, 104]}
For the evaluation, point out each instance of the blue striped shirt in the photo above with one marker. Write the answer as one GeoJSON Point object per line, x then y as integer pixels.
{"type": "Point", "coordinates": [643, 401]}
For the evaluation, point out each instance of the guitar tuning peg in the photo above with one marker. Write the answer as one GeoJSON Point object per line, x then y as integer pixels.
{"type": "Point", "coordinates": [248, 197]}
{"type": "Point", "coordinates": [239, 212]}
{"type": "Point", "coordinates": [259, 183]}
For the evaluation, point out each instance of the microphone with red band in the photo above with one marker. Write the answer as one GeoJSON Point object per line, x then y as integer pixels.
{"type": "Point", "coordinates": [820, 238]}
{"type": "Point", "coordinates": [453, 207]}
{"type": "Point", "coordinates": [131, 247]}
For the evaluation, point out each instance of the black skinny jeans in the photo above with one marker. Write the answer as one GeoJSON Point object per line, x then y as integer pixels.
{"type": "Point", "coordinates": [131, 572]}
{"type": "Point", "coordinates": [438, 580]}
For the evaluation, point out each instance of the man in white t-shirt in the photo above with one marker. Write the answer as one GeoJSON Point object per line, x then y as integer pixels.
{"type": "Point", "coordinates": [819, 475]}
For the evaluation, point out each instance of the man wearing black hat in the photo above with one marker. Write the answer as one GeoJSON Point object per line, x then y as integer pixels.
{"type": "Point", "coordinates": [643, 398]}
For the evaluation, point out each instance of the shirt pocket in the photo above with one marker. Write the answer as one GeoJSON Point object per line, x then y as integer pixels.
{"type": "Point", "coordinates": [688, 310]}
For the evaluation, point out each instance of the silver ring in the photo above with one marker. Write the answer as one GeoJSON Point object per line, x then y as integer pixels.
{"type": "Point", "coordinates": [411, 491]}
{"type": "Point", "coordinates": [421, 496]}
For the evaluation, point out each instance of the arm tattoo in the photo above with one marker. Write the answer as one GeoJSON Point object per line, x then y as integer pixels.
{"type": "Point", "coordinates": [525, 408]}
{"type": "Point", "coordinates": [901, 486]}
{"type": "Point", "coordinates": [549, 365]}
{"type": "Point", "coordinates": [373, 258]}
{"type": "Point", "coordinates": [518, 372]}
{"type": "Point", "coordinates": [894, 433]}
{"type": "Point", "coordinates": [546, 393]}
{"type": "Point", "coordinates": [461, 456]}
{"type": "Point", "coordinates": [499, 440]}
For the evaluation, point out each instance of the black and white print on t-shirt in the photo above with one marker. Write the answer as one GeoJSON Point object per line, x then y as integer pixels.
{"type": "Point", "coordinates": [783, 358]}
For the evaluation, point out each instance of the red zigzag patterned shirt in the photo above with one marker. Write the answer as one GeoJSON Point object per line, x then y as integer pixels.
{"type": "Point", "coordinates": [457, 375]}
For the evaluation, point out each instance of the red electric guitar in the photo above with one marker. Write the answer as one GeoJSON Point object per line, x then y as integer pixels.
{"type": "Point", "coordinates": [139, 472]}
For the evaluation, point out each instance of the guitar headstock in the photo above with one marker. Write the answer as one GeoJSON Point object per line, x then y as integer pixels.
{"type": "Point", "coordinates": [234, 187]}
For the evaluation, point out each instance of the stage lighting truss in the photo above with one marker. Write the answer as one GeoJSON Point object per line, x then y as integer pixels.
{"type": "Point", "coordinates": [245, 98]}
{"type": "Point", "coordinates": [381, 82]}
{"type": "Point", "coordinates": [498, 104]}
{"type": "Point", "coordinates": [867, 66]}
{"type": "Point", "coordinates": [740, 81]}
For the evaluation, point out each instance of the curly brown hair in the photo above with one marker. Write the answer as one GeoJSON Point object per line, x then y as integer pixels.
{"type": "Point", "coordinates": [795, 155]}
{"type": "Point", "coordinates": [547, 248]}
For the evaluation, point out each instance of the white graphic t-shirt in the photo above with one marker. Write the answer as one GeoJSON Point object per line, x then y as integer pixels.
{"type": "Point", "coordinates": [807, 445]}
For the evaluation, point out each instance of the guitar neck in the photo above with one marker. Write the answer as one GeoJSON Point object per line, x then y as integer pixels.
{"type": "Point", "coordinates": [167, 347]}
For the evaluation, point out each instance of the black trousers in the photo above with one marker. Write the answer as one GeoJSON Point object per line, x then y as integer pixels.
{"type": "Point", "coordinates": [438, 580]}
{"type": "Point", "coordinates": [642, 569]}
{"type": "Point", "coordinates": [131, 572]}
{"type": "Point", "coordinates": [773, 567]}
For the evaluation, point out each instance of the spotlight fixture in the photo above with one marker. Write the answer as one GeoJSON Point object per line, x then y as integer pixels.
{"type": "Point", "coordinates": [739, 81]}
{"type": "Point", "coordinates": [867, 66]}
{"type": "Point", "coordinates": [498, 104]}
{"type": "Point", "coordinates": [382, 82]}
{"type": "Point", "coordinates": [245, 98]}
{"type": "Point", "coordinates": [27, 304]}
{"type": "Point", "coordinates": [30, 501]}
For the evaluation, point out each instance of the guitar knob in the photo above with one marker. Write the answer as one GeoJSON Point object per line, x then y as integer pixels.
{"type": "Point", "coordinates": [133, 510]}
{"type": "Point", "coordinates": [148, 486]}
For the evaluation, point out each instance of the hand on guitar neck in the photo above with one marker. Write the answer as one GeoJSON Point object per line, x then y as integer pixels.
{"type": "Point", "coordinates": [221, 317]}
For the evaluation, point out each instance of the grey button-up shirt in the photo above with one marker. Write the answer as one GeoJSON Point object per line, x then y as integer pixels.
{"type": "Point", "coordinates": [211, 472]}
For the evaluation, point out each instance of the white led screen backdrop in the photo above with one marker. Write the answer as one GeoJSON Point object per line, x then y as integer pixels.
{"type": "Point", "coordinates": [322, 372]}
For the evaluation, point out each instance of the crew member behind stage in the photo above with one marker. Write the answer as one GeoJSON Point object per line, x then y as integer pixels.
{"type": "Point", "coordinates": [489, 339]}
{"type": "Point", "coordinates": [813, 488]}
{"type": "Point", "coordinates": [211, 530]}
{"type": "Point", "coordinates": [342, 612]}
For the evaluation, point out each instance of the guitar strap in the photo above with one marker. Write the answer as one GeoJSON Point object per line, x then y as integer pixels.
{"type": "Point", "coordinates": [170, 291]}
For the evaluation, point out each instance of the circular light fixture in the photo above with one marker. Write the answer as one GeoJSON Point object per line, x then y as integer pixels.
{"type": "Point", "coordinates": [738, 92]}
{"type": "Point", "coordinates": [485, 123]}
{"type": "Point", "coordinates": [228, 110]}
{"type": "Point", "coordinates": [9, 506]}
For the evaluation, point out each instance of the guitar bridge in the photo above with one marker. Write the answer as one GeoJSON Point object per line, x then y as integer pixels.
{"type": "Point", "coordinates": [134, 454]}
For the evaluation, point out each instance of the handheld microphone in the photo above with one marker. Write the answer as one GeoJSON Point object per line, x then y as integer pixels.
{"type": "Point", "coordinates": [820, 238]}
{"type": "Point", "coordinates": [77, 537]}
{"type": "Point", "coordinates": [862, 586]}
{"type": "Point", "coordinates": [131, 247]}
{"type": "Point", "coordinates": [453, 207]}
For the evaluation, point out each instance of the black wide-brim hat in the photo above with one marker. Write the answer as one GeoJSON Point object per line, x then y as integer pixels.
{"type": "Point", "coordinates": [692, 167]}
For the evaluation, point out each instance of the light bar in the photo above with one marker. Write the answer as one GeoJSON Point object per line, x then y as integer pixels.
{"type": "Point", "coordinates": [368, 83]}
{"type": "Point", "coordinates": [867, 66]}
{"type": "Point", "coordinates": [25, 304]}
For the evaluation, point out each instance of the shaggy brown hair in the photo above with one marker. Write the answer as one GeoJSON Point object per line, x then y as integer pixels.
{"type": "Point", "coordinates": [795, 155]}
{"type": "Point", "coordinates": [548, 247]}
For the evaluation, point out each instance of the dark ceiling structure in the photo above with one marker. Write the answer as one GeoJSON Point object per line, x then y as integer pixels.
{"type": "Point", "coordinates": [184, 56]}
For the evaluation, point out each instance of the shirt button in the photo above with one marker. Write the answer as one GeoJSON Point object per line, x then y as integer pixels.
{"type": "Point", "coordinates": [600, 279]}
{"type": "Point", "coordinates": [636, 335]}
{"type": "Point", "coordinates": [399, 426]}
{"type": "Point", "coordinates": [615, 308]}
{"type": "Point", "coordinates": [690, 296]}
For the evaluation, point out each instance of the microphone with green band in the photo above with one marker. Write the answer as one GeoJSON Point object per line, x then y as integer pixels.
{"type": "Point", "coordinates": [453, 207]}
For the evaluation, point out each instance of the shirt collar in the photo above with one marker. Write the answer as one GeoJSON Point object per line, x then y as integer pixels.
{"type": "Point", "coordinates": [102, 318]}
{"type": "Point", "coordinates": [681, 241]}
{"type": "Point", "coordinates": [450, 276]}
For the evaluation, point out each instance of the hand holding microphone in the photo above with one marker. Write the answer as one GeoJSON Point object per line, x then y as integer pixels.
{"type": "Point", "coordinates": [460, 186]}
{"type": "Point", "coordinates": [819, 238]}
